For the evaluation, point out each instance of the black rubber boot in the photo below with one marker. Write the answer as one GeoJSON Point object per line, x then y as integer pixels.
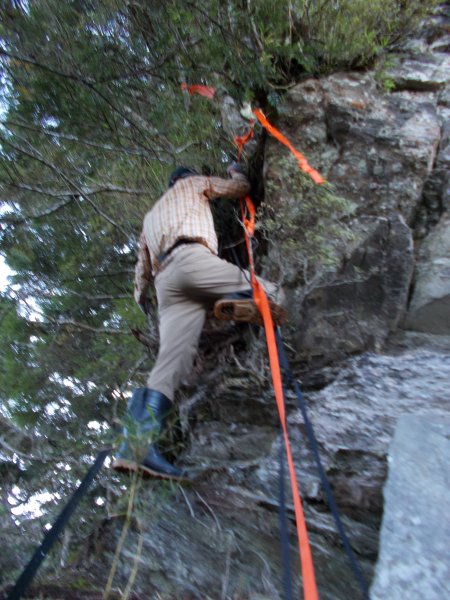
{"type": "Point", "coordinates": [147, 412]}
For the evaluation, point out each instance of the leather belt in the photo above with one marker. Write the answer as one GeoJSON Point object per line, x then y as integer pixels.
{"type": "Point", "coordinates": [162, 257]}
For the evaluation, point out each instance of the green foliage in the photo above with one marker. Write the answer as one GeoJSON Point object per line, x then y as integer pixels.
{"type": "Point", "coordinates": [384, 80]}
{"type": "Point", "coordinates": [308, 226]}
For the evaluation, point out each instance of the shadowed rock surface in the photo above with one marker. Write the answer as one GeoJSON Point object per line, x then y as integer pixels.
{"type": "Point", "coordinates": [429, 309]}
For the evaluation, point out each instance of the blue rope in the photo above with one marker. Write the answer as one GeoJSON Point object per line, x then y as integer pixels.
{"type": "Point", "coordinates": [325, 483]}
{"type": "Point", "coordinates": [50, 538]}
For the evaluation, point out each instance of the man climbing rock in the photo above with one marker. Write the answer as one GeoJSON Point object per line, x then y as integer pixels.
{"type": "Point", "coordinates": [178, 247]}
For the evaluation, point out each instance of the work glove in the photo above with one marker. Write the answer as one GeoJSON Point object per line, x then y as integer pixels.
{"type": "Point", "coordinates": [236, 167]}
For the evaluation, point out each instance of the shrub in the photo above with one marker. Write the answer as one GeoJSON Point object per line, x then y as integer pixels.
{"type": "Point", "coordinates": [306, 229]}
{"type": "Point", "coordinates": [320, 36]}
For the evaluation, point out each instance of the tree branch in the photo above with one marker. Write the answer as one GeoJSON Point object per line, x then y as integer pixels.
{"type": "Point", "coordinates": [35, 63]}
{"type": "Point", "coordinates": [36, 155]}
{"type": "Point", "coordinates": [104, 298]}
{"type": "Point", "coordinates": [69, 324]}
{"type": "Point", "coordinates": [142, 338]}
{"type": "Point", "coordinates": [5, 445]}
{"type": "Point", "coordinates": [106, 188]}
{"type": "Point", "coordinates": [45, 213]}
{"type": "Point", "coordinates": [90, 84]}
{"type": "Point", "coordinates": [76, 139]}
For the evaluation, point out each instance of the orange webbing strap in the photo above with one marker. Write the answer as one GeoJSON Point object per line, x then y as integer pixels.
{"type": "Point", "coordinates": [241, 140]}
{"type": "Point", "coordinates": [249, 226]}
{"type": "Point", "coordinates": [260, 297]}
{"type": "Point", "coordinates": [203, 90]}
{"type": "Point", "coordinates": [303, 163]}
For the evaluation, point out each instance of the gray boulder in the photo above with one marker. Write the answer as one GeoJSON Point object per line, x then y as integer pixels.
{"type": "Point", "coordinates": [414, 561]}
{"type": "Point", "coordinates": [355, 418]}
{"type": "Point", "coordinates": [421, 72]}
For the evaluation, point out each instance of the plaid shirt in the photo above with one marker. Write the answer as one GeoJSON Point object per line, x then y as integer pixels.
{"type": "Point", "coordinates": [182, 212]}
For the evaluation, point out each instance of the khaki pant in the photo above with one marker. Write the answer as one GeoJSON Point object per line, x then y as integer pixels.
{"type": "Point", "coordinates": [186, 289]}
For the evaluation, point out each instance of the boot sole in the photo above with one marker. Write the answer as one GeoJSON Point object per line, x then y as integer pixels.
{"type": "Point", "coordinates": [247, 311]}
{"type": "Point", "coordinates": [121, 465]}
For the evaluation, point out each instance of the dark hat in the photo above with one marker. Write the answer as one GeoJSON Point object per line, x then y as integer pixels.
{"type": "Point", "coordinates": [181, 173]}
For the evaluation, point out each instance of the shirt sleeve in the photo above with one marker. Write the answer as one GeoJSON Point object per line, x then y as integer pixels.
{"type": "Point", "coordinates": [235, 187]}
{"type": "Point", "coordinates": [143, 270]}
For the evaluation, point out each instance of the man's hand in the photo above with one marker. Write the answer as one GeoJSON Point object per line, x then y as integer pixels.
{"type": "Point", "coordinates": [236, 167]}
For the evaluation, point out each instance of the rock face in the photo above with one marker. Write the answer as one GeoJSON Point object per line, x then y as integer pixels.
{"type": "Point", "coordinates": [376, 148]}
{"type": "Point", "coordinates": [413, 560]}
{"type": "Point", "coordinates": [421, 72]}
{"type": "Point", "coordinates": [366, 300]}
{"type": "Point", "coordinates": [355, 418]}
{"type": "Point", "coordinates": [388, 153]}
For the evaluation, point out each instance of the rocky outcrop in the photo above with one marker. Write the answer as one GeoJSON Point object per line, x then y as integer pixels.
{"type": "Point", "coordinates": [388, 153]}
{"type": "Point", "coordinates": [356, 415]}
{"type": "Point", "coordinates": [422, 72]}
{"type": "Point", "coordinates": [376, 148]}
{"type": "Point", "coordinates": [365, 301]}
{"type": "Point", "coordinates": [436, 193]}
{"type": "Point", "coordinates": [413, 560]}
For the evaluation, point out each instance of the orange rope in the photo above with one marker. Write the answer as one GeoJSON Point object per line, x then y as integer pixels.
{"type": "Point", "coordinates": [241, 140]}
{"type": "Point", "coordinates": [260, 297]}
{"type": "Point", "coordinates": [303, 163]}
